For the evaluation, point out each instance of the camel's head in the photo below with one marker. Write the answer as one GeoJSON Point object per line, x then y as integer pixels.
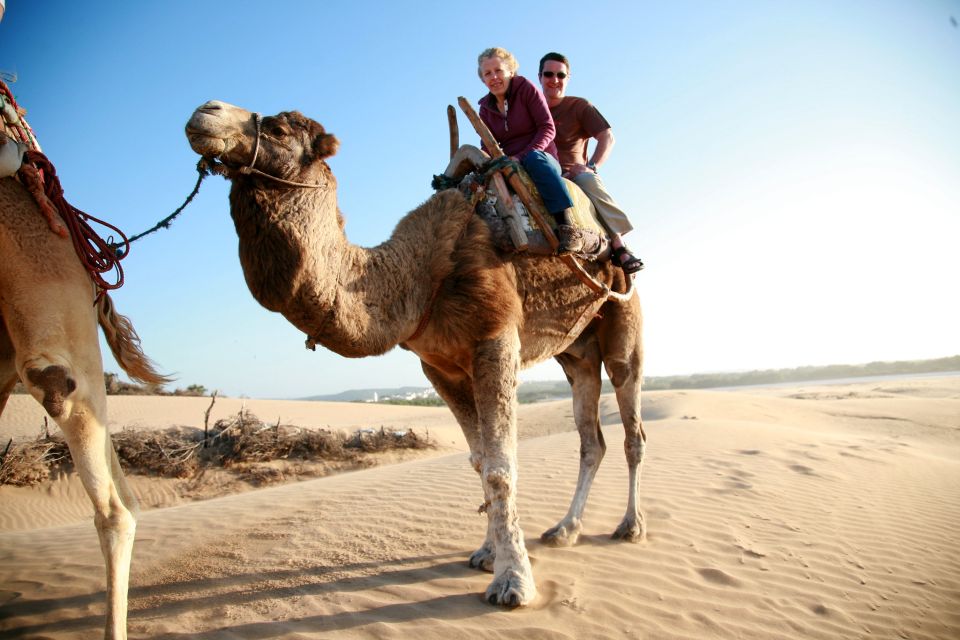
{"type": "Point", "coordinates": [287, 145]}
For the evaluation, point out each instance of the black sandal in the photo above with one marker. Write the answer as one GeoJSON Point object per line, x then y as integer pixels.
{"type": "Point", "coordinates": [632, 264]}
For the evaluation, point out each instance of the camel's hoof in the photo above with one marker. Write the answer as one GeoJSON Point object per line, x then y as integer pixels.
{"type": "Point", "coordinates": [512, 589]}
{"type": "Point", "coordinates": [483, 559]}
{"type": "Point", "coordinates": [630, 530]}
{"type": "Point", "coordinates": [560, 536]}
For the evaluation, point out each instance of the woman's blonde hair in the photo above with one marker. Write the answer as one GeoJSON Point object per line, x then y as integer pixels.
{"type": "Point", "coordinates": [503, 54]}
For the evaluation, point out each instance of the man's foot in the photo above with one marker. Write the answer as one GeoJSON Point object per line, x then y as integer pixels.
{"type": "Point", "coordinates": [622, 257]}
{"type": "Point", "coordinates": [571, 239]}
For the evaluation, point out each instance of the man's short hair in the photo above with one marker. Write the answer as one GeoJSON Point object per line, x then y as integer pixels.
{"type": "Point", "coordinates": [556, 57]}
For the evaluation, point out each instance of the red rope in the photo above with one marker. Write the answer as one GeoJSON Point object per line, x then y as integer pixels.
{"type": "Point", "coordinates": [96, 255]}
{"type": "Point", "coordinates": [20, 130]}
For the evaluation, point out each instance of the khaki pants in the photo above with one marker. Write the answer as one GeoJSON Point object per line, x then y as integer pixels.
{"type": "Point", "coordinates": [611, 215]}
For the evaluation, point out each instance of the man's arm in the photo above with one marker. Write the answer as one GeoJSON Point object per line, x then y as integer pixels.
{"type": "Point", "coordinates": [601, 152]}
{"type": "Point", "coordinates": [605, 142]}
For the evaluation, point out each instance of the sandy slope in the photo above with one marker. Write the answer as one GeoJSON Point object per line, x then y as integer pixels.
{"type": "Point", "coordinates": [809, 512]}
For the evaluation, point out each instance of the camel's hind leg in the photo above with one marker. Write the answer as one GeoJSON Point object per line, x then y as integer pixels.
{"type": "Point", "coordinates": [456, 389]}
{"type": "Point", "coordinates": [115, 508]}
{"type": "Point", "coordinates": [65, 374]}
{"type": "Point", "coordinates": [622, 351]}
{"type": "Point", "coordinates": [581, 364]}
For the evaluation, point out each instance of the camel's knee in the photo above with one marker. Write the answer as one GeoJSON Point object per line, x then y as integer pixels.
{"type": "Point", "coordinates": [622, 372]}
{"type": "Point", "coordinates": [634, 446]}
{"type": "Point", "coordinates": [499, 481]}
{"type": "Point", "coordinates": [54, 384]}
{"type": "Point", "coordinates": [116, 520]}
{"type": "Point", "coordinates": [116, 528]}
{"type": "Point", "coordinates": [592, 452]}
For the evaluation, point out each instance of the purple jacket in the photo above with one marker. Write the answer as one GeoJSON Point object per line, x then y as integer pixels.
{"type": "Point", "coordinates": [527, 126]}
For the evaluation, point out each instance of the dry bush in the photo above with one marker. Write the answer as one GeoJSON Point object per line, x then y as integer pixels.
{"type": "Point", "coordinates": [30, 463]}
{"type": "Point", "coordinates": [376, 441]}
{"type": "Point", "coordinates": [244, 438]}
{"type": "Point", "coordinates": [239, 444]}
{"type": "Point", "coordinates": [170, 453]}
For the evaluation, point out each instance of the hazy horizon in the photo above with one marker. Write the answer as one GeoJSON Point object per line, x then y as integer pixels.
{"type": "Point", "coordinates": [827, 377]}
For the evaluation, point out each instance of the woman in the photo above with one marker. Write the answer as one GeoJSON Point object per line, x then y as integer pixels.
{"type": "Point", "coordinates": [518, 116]}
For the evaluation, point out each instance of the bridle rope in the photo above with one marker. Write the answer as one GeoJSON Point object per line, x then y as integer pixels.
{"type": "Point", "coordinates": [206, 166]}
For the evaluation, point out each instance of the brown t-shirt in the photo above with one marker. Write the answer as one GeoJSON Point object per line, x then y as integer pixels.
{"type": "Point", "coordinates": [577, 121]}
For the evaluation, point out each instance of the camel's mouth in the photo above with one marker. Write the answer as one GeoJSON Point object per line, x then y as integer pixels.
{"type": "Point", "coordinates": [213, 128]}
{"type": "Point", "coordinates": [206, 145]}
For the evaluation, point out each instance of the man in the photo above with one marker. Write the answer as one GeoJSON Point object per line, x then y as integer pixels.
{"type": "Point", "coordinates": [578, 121]}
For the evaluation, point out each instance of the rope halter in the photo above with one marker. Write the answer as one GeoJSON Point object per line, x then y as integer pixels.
{"type": "Point", "coordinates": [252, 169]}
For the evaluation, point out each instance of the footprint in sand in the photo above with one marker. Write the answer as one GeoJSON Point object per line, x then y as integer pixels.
{"type": "Point", "coordinates": [736, 482]}
{"type": "Point", "coordinates": [658, 514]}
{"type": "Point", "coordinates": [716, 576]}
{"type": "Point", "coordinates": [803, 469]}
{"type": "Point", "coordinates": [748, 548]}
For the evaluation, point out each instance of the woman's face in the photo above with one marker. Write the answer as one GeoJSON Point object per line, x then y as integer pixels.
{"type": "Point", "coordinates": [496, 75]}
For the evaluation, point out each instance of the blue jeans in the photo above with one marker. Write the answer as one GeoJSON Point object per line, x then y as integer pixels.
{"type": "Point", "coordinates": [545, 172]}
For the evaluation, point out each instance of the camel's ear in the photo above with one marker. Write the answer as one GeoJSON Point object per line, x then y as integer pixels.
{"type": "Point", "coordinates": [325, 145]}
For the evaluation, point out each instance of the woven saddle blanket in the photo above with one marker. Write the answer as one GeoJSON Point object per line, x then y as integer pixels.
{"type": "Point", "coordinates": [466, 172]}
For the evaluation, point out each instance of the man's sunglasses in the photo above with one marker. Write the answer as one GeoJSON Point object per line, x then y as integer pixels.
{"type": "Point", "coordinates": [550, 74]}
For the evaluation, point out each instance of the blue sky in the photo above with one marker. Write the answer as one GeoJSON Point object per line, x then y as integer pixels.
{"type": "Point", "coordinates": [791, 168]}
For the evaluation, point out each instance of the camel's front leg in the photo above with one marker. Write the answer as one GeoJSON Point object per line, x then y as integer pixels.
{"type": "Point", "coordinates": [496, 364]}
{"type": "Point", "coordinates": [456, 389]}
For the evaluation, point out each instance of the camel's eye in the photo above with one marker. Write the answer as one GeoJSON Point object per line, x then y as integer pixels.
{"type": "Point", "coordinates": [279, 130]}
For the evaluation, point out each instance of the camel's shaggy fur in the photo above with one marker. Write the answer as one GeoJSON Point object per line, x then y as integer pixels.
{"type": "Point", "coordinates": [489, 314]}
{"type": "Point", "coordinates": [48, 339]}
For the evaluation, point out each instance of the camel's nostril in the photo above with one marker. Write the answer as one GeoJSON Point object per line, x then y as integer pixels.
{"type": "Point", "coordinates": [211, 106]}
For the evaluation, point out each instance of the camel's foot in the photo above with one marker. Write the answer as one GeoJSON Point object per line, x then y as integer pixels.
{"type": "Point", "coordinates": [565, 534]}
{"type": "Point", "coordinates": [512, 588]}
{"type": "Point", "coordinates": [483, 558]}
{"type": "Point", "coordinates": [631, 530]}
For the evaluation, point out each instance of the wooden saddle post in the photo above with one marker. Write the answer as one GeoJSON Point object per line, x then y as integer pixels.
{"type": "Point", "coordinates": [505, 205]}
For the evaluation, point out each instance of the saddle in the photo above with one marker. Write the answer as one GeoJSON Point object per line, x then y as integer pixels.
{"type": "Point", "coordinates": [512, 228]}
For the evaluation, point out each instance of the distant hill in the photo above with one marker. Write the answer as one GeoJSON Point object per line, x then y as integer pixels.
{"type": "Point", "coordinates": [802, 374]}
{"type": "Point", "coordinates": [537, 391]}
{"type": "Point", "coordinates": [363, 395]}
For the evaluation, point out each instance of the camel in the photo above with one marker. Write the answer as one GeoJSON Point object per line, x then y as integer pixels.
{"type": "Point", "coordinates": [437, 287]}
{"type": "Point", "coordinates": [48, 340]}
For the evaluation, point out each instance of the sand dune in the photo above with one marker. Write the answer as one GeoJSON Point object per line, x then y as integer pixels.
{"type": "Point", "coordinates": [804, 512]}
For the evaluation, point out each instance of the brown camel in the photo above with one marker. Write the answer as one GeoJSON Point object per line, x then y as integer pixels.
{"type": "Point", "coordinates": [438, 288]}
{"type": "Point", "coordinates": [48, 339]}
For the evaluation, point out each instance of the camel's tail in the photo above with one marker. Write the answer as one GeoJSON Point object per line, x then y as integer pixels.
{"type": "Point", "coordinates": [125, 344]}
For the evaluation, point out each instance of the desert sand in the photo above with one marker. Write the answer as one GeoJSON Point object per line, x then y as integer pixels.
{"type": "Point", "coordinates": [812, 511]}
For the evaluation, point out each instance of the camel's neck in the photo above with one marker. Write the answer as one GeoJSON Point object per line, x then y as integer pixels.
{"type": "Point", "coordinates": [297, 261]}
